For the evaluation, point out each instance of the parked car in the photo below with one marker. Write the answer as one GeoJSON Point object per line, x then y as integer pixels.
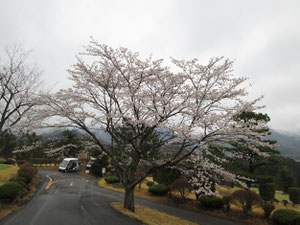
{"type": "Point", "coordinates": [69, 165]}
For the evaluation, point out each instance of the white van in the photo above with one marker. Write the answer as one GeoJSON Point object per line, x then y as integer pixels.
{"type": "Point", "coordinates": [68, 165]}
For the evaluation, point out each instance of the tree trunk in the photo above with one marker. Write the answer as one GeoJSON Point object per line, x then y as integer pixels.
{"type": "Point", "coordinates": [129, 199]}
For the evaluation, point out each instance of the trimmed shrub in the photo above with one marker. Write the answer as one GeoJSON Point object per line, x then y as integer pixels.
{"type": "Point", "coordinates": [182, 186]}
{"type": "Point", "coordinates": [25, 175]}
{"type": "Point", "coordinates": [294, 195]}
{"type": "Point", "coordinates": [149, 183]}
{"type": "Point", "coordinates": [286, 217]}
{"type": "Point", "coordinates": [267, 191]}
{"type": "Point", "coordinates": [21, 180]}
{"type": "Point", "coordinates": [10, 162]}
{"type": "Point", "coordinates": [226, 202]}
{"type": "Point", "coordinates": [28, 168]}
{"type": "Point", "coordinates": [9, 191]}
{"type": "Point", "coordinates": [211, 202]}
{"type": "Point", "coordinates": [246, 199]}
{"type": "Point", "coordinates": [112, 179]}
{"type": "Point", "coordinates": [268, 209]}
{"type": "Point", "coordinates": [158, 189]}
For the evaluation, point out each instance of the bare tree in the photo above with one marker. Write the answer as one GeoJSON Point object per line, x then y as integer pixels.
{"type": "Point", "coordinates": [145, 106]}
{"type": "Point", "coordinates": [19, 83]}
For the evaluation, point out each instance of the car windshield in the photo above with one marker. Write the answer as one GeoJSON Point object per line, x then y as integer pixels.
{"type": "Point", "coordinates": [64, 163]}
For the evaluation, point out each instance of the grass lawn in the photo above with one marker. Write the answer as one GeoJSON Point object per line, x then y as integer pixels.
{"type": "Point", "coordinates": [279, 195]}
{"type": "Point", "coordinates": [7, 172]}
{"type": "Point", "coordinates": [150, 216]}
{"type": "Point", "coordinates": [256, 217]}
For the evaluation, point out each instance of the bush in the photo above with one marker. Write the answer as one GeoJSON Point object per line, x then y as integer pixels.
{"type": "Point", "coordinates": [28, 168]}
{"type": "Point", "coordinates": [166, 175]}
{"type": "Point", "coordinates": [149, 183]}
{"type": "Point", "coordinates": [182, 186]}
{"type": "Point", "coordinates": [211, 202]}
{"type": "Point", "coordinates": [21, 180]}
{"type": "Point", "coordinates": [268, 209]}
{"type": "Point", "coordinates": [286, 217]}
{"type": "Point", "coordinates": [158, 189]}
{"type": "Point", "coordinates": [9, 191]}
{"type": "Point", "coordinates": [10, 162]}
{"type": "Point", "coordinates": [112, 179]}
{"type": "Point", "coordinates": [226, 202]}
{"type": "Point", "coordinates": [294, 195]}
{"type": "Point", "coordinates": [25, 175]}
{"type": "Point", "coordinates": [267, 191]}
{"type": "Point", "coordinates": [246, 200]}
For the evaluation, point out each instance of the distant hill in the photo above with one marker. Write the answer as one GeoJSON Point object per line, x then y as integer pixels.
{"type": "Point", "coordinates": [287, 144]}
{"type": "Point", "coordinates": [100, 133]}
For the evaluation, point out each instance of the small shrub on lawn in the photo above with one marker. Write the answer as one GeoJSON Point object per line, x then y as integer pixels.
{"type": "Point", "coordinates": [267, 191]}
{"type": "Point", "coordinates": [268, 209]}
{"type": "Point", "coordinates": [112, 179]}
{"type": "Point", "coordinates": [211, 202]}
{"type": "Point", "coordinates": [28, 168]}
{"type": "Point", "coordinates": [182, 186]}
{"type": "Point", "coordinates": [149, 183]}
{"type": "Point", "coordinates": [286, 217]}
{"type": "Point", "coordinates": [25, 175]}
{"type": "Point", "coordinates": [158, 189]}
{"type": "Point", "coordinates": [21, 180]}
{"type": "Point", "coordinates": [294, 195]}
{"type": "Point", "coordinates": [10, 162]}
{"type": "Point", "coordinates": [246, 199]}
{"type": "Point", "coordinates": [9, 191]}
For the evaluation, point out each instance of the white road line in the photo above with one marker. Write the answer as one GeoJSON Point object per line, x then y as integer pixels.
{"type": "Point", "coordinates": [71, 184]}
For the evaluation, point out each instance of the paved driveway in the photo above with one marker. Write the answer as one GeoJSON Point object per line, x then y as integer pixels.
{"type": "Point", "coordinates": [72, 199]}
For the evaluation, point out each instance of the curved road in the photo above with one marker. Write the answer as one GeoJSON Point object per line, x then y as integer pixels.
{"type": "Point", "coordinates": [72, 199]}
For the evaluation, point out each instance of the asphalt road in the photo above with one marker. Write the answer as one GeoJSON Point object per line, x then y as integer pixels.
{"type": "Point", "coordinates": [71, 199]}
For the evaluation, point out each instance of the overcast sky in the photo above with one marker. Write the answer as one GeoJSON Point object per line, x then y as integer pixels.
{"type": "Point", "coordinates": [262, 37]}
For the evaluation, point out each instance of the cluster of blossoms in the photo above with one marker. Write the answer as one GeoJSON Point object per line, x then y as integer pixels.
{"type": "Point", "coordinates": [204, 170]}
{"type": "Point", "coordinates": [28, 148]}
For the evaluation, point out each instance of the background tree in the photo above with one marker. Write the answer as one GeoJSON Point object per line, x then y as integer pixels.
{"type": "Point", "coordinates": [285, 179]}
{"type": "Point", "coordinates": [19, 82]}
{"type": "Point", "coordinates": [30, 146]}
{"type": "Point", "coordinates": [69, 145]}
{"type": "Point", "coordinates": [8, 143]}
{"type": "Point", "coordinates": [253, 149]}
{"type": "Point", "coordinates": [114, 88]}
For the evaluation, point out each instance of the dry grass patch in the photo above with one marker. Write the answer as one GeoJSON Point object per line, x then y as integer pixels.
{"type": "Point", "coordinates": [7, 172]}
{"type": "Point", "coordinates": [150, 216]}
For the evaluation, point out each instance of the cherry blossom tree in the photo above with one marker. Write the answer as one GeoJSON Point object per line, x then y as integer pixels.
{"type": "Point", "coordinates": [204, 170]}
{"type": "Point", "coordinates": [146, 106]}
{"type": "Point", "coordinates": [19, 82]}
